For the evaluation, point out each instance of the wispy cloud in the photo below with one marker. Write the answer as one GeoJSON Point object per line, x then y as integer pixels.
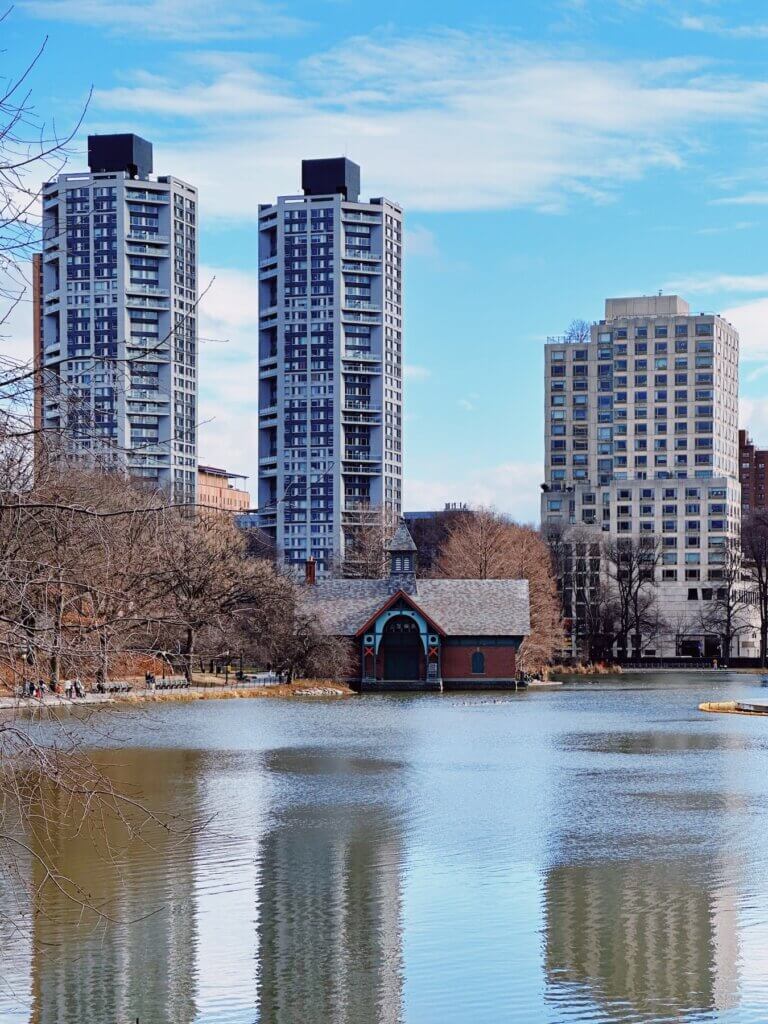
{"type": "Point", "coordinates": [512, 487]}
{"type": "Point", "coordinates": [228, 373]}
{"type": "Point", "coordinates": [484, 123]}
{"type": "Point", "coordinates": [177, 20]}
{"type": "Point", "coordinates": [751, 321]}
{"type": "Point", "coordinates": [747, 199]}
{"type": "Point", "coordinates": [719, 283]}
{"type": "Point", "coordinates": [718, 26]}
{"type": "Point", "coordinates": [741, 225]}
{"type": "Point", "coordinates": [411, 371]}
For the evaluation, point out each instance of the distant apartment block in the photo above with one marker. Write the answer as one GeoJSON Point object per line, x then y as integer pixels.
{"type": "Point", "coordinates": [752, 474]}
{"type": "Point", "coordinates": [119, 316]}
{"type": "Point", "coordinates": [641, 438]}
{"type": "Point", "coordinates": [217, 488]}
{"type": "Point", "coordinates": [330, 362]}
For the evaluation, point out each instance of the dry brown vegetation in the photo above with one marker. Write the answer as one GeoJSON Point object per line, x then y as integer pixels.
{"type": "Point", "coordinates": [488, 545]}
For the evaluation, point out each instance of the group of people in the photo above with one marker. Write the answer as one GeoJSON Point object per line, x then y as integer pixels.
{"type": "Point", "coordinates": [71, 688]}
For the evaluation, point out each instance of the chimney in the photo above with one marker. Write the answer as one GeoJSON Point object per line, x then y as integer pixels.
{"type": "Point", "coordinates": [310, 577]}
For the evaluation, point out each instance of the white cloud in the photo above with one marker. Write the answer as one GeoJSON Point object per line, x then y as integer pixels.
{"type": "Point", "coordinates": [720, 283]}
{"type": "Point", "coordinates": [719, 27]}
{"type": "Point", "coordinates": [466, 405]}
{"type": "Point", "coordinates": [420, 241]}
{"type": "Point", "coordinates": [228, 372]}
{"type": "Point", "coordinates": [192, 20]}
{"type": "Point", "coordinates": [747, 199]}
{"type": "Point", "coordinates": [751, 321]}
{"type": "Point", "coordinates": [512, 487]}
{"type": "Point", "coordinates": [411, 371]}
{"type": "Point", "coordinates": [753, 416]}
{"type": "Point", "coordinates": [483, 123]}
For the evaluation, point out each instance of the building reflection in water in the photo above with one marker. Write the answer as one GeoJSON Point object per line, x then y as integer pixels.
{"type": "Point", "coordinates": [330, 949]}
{"type": "Point", "coordinates": [643, 938]}
{"type": "Point", "coordinates": [85, 970]}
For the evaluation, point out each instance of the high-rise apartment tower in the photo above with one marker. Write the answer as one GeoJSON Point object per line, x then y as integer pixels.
{"type": "Point", "coordinates": [641, 436]}
{"type": "Point", "coordinates": [119, 316]}
{"type": "Point", "coordinates": [330, 363]}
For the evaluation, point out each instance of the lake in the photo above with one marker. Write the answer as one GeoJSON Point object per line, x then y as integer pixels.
{"type": "Point", "coordinates": [596, 853]}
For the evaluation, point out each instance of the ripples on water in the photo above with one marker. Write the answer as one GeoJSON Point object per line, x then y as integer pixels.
{"type": "Point", "coordinates": [585, 855]}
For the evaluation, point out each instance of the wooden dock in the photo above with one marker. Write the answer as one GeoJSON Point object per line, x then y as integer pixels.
{"type": "Point", "coordinates": [735, 707]}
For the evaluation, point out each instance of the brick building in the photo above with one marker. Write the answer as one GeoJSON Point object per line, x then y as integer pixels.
{"type": "Point", "coordinates": [424, 634]}
{"type": "Point", "coordinates": [215, 488]}
{"type": "Point", "coordinates": [752, 474]}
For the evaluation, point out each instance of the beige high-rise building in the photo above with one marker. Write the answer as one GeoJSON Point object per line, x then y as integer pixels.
{"type": "Point", "coordinates": [641, 436]}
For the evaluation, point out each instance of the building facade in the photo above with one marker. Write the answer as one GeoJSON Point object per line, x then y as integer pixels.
{"type": "Point", "coordinates": [330, 362]}
{"type": "Point", "coordinates": [641, 436]}
{"type": "Point", "coordinates": [752, 475]}
{"type": "Point", "coordinates": [409, 633]}
{"type": "Point", "coordinates": [119, 316]}
{"type": "Point", "coordinates": [217, 488]}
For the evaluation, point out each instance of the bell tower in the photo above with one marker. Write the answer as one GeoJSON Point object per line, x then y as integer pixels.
{"type": "Point", "coordinates": [401, 552]}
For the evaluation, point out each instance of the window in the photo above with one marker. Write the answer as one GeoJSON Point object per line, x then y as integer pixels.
{"type": "Point", "coordinates": [478, 663]}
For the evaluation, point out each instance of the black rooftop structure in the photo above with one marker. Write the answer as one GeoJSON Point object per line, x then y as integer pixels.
{"type": "Point", "coordinates": [335, 176]}
{"type": "Point", "coordinates": [124, 152]}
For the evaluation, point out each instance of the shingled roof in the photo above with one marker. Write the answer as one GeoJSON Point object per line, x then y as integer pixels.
{"type": "Point", "coordinates": [458, 607]}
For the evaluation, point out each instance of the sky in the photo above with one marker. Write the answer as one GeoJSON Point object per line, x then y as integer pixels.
{"type": "Point", "coordinates": [547, 155]}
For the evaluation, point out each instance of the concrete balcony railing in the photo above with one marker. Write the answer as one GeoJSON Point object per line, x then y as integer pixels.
{"type": "Point", "coordinates": [147, 395]}
{"type": "Point", "coordinates": [147, 289]}
{"type": "Point", "coordinates": [361, 304]}
{"type": "Point", "coordinates": [362, 254]}
{"type": "Point", "coordinates": [136, 234]}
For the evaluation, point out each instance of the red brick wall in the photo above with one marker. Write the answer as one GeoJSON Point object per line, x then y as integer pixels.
{"type": "Point", "coordinates": [457, 662]}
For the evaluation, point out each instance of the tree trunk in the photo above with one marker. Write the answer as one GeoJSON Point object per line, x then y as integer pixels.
{"type": "Point", "coordinates": [58, 617]}
{"type": "Point", "coordinates": [189, 653]}
{"type": "Point", "coordinates": [104, 655]}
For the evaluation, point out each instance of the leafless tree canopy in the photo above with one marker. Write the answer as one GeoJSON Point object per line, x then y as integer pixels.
{"type": "Point", "coordinates": [754, 538]}
{"type": "Point", "coordinates": [578, 331]}
{"type": "Point", "coordinates": [487, 545]}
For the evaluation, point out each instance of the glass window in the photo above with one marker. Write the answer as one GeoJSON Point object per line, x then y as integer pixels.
{"type": "Point", "coordinates": [478, 663]}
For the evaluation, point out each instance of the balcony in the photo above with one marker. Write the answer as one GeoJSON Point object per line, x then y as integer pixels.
{"type": "Point", "coordinates": [145, 302]}
{"type": "Point", "coordinates": [355, 267]}
{"type": "Point", "coordinates": [146, 394]}
{"type": "Point", "coordinates": [360, 304]}
{"type": "Point", "coordinates": [362, 318]}
{"type": "Point", "coordinates": [136, 235]}
{"type": "Point", "coordinates": [360, 404]}
{"type": "Point", "coordinates": [147, 289]}
{"type": "Point", "coordinates": [360, 455]}
{"type": "Point", "coordinates": [362, 254]}
{"type": "Point", "coordinates": [152, 196]}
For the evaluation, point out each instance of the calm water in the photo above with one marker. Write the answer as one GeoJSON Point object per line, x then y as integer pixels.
{"type": "Point", "coordinates": [593, 854]}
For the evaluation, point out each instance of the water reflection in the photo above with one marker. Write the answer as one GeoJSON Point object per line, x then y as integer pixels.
{"type": "Point", "coordinates": [87, 969]}
{"type": "Point", "coordinates": [644, 928]}
{"type": "Point", "coordinates": [330, 948]}
{"type": "Point", "coordinates": [645, 940]}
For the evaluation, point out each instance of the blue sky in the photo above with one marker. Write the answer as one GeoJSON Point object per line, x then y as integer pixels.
{"type": "Point", "coordinates": [547, 155]}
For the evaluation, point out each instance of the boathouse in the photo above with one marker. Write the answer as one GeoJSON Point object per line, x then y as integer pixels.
{"type": "Point", "coordinates": [409, 633]}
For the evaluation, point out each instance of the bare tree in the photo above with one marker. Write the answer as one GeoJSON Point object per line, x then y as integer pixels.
{"type": "Point", "coordinates": [578, 331]}
{"type": "Point", "coordinates": [487, 545]}
{"type": "Point", "coordinates": [365, 543]}
{"type": "Point", "coordinates": [729, 613]}
{"type": "Point", "coordinates": [631, 564]}
{"type": "Point", "coordinates": [209, 581]}
{"type": "Point", "coordinates": [754, 539]}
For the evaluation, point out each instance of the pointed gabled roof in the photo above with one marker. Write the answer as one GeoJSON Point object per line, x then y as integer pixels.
{"type": "Point", "coordinates": [461, 607]}
{"type": "Point", "coordinates": [401, 540]}
{"type": "Point", "coordinates": [399, 595]}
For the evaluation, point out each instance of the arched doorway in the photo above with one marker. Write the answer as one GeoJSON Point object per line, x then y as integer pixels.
{"type": "Point", "coordinates": [402, 648]}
